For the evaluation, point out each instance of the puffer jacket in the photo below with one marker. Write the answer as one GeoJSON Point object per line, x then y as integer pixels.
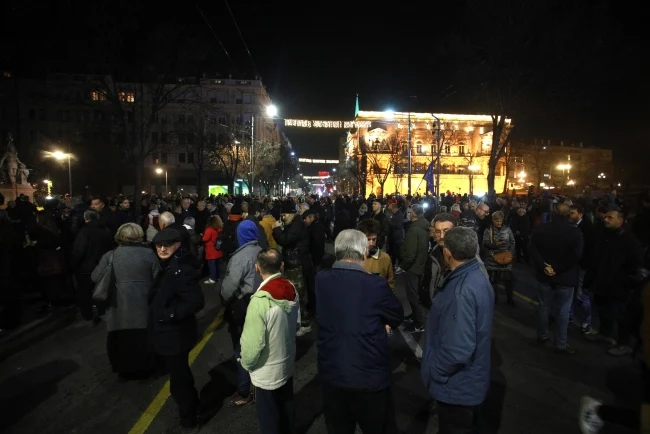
{"type": "Point", "coordinates": [506, 240]}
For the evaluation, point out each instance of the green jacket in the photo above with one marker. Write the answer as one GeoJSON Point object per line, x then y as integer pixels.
{"type": "Point", "coordinates": [268, 341]}
{"type": "Point", "coordinates": [415, 248]}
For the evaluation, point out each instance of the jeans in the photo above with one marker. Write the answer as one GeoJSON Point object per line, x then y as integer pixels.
{"type": "Point", "coordinates": [374, 411]}
{"type": "Point", "coordinates": [457, 419]}
{"type": "Point", "coordinates": [556, 298]}
{"type": "Point", "coordinates": [243, 377]}
{"type": "Point", "coordinates": [213, 265]}
{"type": "Point", "coordinates": [581, 306]}
{"type": "Point", "coordinates": [275, 409]}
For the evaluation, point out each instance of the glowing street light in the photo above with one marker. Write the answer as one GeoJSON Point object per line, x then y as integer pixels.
{"type": "Point", "coordinates": [522, 174]}
{"type": "Point", "coordinates": [159, 171]}
{"type": "Point", "coordinates": [271, 111]}
{"type": "Point", "coordinates": [564, 166]}
{"type": "Point", "coordinates": [62, 156]}
{"type": "Point", "coordinates": [474, 167]}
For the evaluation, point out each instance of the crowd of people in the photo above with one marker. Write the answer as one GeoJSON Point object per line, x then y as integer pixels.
{"type": "Point", "coordinates": [452, 254]}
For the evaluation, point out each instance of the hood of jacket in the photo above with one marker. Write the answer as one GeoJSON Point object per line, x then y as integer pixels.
{"type": "Point", "coordinates": [278, 291]}
{"type": "Point", "coordinates": [247, 232]}
{"type": "Point", "coordinates": [421, 223]}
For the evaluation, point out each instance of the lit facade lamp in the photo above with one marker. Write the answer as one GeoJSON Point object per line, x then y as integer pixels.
{"type": "Point", "coordinates": [62, 156]}
{"type": "Point", "coordinates": [49, 188]}
{"type": "Point", "coordinates": [159, 171]}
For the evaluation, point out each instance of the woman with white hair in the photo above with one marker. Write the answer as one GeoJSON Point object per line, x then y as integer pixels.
{"type": "Point", "coordinates": [135, 267]}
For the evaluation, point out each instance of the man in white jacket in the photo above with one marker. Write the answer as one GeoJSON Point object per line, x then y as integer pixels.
{"type": "Point", "coordinates": [268, 345]}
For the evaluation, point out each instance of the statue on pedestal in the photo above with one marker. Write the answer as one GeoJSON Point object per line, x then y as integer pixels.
{"type": "Point", "coordinates": [12, 164]}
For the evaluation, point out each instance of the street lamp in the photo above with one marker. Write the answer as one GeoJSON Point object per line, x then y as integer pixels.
{"type": "Point", "coordinates": [62, 156]}
{"type": "Point", "coordinates": [159, 171]}
{"type": "Point", "coordinates": [271, 111]}
{"type": "Point", "coordinates": [49, 188]}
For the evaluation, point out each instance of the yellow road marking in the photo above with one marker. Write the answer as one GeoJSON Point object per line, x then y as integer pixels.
{"type": "Point", "coordinates": [157, 404]}
{"type": "Point", "coordinates": [528, 299]}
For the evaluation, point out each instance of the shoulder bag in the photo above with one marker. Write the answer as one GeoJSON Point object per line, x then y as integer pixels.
{"type": "Point", "coordinates": [501, 258]}
{"type": "Point", "coordinates": [105, 287]}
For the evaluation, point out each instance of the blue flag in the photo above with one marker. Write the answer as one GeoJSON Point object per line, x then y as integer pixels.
{"type": "Point", "coordinates": [428, 176]}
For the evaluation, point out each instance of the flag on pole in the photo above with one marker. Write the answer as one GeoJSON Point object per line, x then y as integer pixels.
{"type": "Point", "coordinates": [428, 176]}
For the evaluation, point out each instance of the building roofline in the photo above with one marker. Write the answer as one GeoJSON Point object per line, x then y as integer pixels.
{"type": "Point", "coordinates": [431, 117]}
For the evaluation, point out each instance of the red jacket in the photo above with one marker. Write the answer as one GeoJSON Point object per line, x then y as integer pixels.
{"type": "Point", "coordinates": [209, 238]}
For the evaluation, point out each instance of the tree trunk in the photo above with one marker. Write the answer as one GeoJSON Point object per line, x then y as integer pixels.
{"type": "Point", "coordinates": [505, 182]}
{"type": "Point", "coordinates": [199, 182]}
{"type": "Point", "coordinates": [492, 171]}
{"type": "Point", "coordinates": [137, 193]}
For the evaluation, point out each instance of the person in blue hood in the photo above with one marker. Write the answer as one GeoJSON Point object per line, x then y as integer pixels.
{"type": "Point", "coordinates": [239, 284]}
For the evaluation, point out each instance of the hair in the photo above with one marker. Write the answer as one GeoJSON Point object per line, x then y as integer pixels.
{"type": "Point", "coordinates": [270, 261]}
{"type": "Point", "coordinates": [153, 207]}
{"type": "Point", "coordinates": [369, 226]}
{"type": "Point", "coordinates": [214, 221]}
{"type": "Point", "coordinates": [304, 207]}
{"type": "Point", "coordinates": [189, 221]}
{"type": "Point", "coordinates": [129, 233]}
{"type": "Point", "coordinates": [91, 214]}
{"type": "Point", "coordinates": [99, 199]}
{"type": "Point", "coordinates": [561, 209]}
{"type": "Point", "coordinates": [580, 209]}
{"type": "Point", "coordinates": [363, 206]}
{"type": "Point", "coordinates": [444, 217]}
{"type": "Point", "coordinates": [253, 208]}
{"type": "Point", "coordinates": [619, 213]}
{"type": "Point", "coordinates": [167, 218]}
{"type": "Point", "coordinates": [462, 243]}
{"type": "Point", "coordinates": [455, 207]}
{"type": "Point", "coordinates": [351, 244]}
{"type": "Point", "coordinates": [417, 210]}
{"type": "Point", "coordinates": [443, 208]}
{"type": "Point", "coordinates": [497, 215]}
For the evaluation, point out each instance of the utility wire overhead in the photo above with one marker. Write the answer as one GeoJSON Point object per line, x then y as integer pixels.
{"type": "Point", "coordinates": [214, 33]}
{"type": "Point", "coordinates": [242, 37]}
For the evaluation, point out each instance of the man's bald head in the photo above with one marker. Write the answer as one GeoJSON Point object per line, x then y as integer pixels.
{"type": "Point", "coordinates": [166, 219]}
{"type": "Point", "coordinates": [562, 209]}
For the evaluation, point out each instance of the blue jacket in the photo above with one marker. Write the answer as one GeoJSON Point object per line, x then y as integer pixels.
{"type": "Point", "coordinates": [353, 308]}
{"type": "Point", "coordinates": [456, 356]}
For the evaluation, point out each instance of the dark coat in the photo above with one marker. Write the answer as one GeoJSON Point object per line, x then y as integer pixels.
{"type": "Point", "coordinates": [559, 244]}
{"type": "Point", "coordinates": [294, 240]}
{"type": "Point", "coordinates": [185, 234]}
{"type": "Point", "coordinates": [174, 299]}
{"type": "Point", "coordinates": [353, 308]}
{"type": "Point", "coordinates": [456, 356]}
{"type": "Point", "coordinates": [382, 236]}
{"type": "Point", "coordinates": [521, 224]}
{"type": "Point", "coordinates": [588, 238]}
{"type": "Point", "coordinates": [317, 241]}
{"type": "Point", "coordinates": [93, 240]}
{"type": "Point", "coordinates": [612, 267]}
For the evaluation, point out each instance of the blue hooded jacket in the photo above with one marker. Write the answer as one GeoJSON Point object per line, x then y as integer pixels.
{"type": "Point", "coordinates": [247, 232]}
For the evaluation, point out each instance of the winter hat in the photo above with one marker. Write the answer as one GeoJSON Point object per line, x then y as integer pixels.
{"type": "Point", "coordinates": [275, 212]}
{"type": "Point", "coordinates": [167, 236]}
{"type": "Point", "coordinates": [236, 209]}
{"type": "Point", "coordinates": [288, 207]}
{"type": "Point", "coordinates": [247, 232]}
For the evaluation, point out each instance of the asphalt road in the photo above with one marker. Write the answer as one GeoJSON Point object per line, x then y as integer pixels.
{"type": "Point", "coordinates": [64, 384]}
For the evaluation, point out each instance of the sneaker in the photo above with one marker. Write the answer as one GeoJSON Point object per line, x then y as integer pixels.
{"type": "Point", "coordinates": [408, 319]}
{"type": "Point", "coordinates": [585, 329]}
{"type": "Point", "coordinates": [210, 282]}
{"type": "Point", "coordinates": [398, 270]}
{"type": "Point", "coordinates": [566, 350]}
{"type": "Point", "coordinates": [415, 327]}
{"type": "Point", "coordinates": [303, 331]}
{"type": "Point", "coordinates": [590, 422]}
{"type": "Point", "coordinates": [623, 350]}
{"type": "Point", "coordinates": [236, 400]}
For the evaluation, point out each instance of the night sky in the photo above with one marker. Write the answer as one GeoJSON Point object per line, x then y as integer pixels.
{"type": "Point", "coordinates": [577, 68]}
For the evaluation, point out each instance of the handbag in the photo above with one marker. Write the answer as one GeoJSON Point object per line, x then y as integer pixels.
{"type": "Point", "coordinates": [501, 258]}
{"type": "Point", "coordinates": [105, 287]}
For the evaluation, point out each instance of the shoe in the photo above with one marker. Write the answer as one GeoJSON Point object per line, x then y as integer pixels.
{"type": "Point", "coordinates": [585, 329]}
{"type": "Point", "coordinates": [236, 400]}
{"type": "Point", "coordinates": [566, 350]}
{"type": "Point", "coordinates": [303, 331]}
{"type": "Point", "coordinates": [415, 327]}
{"type": "Point", "coordinates": [542, 341]}
{"type": "Point", "coordinates": [623, 350]}
{"type": "Point", "coordinates": [601, 338]}
{"type": "Point", "coordinates": [408, 319]}
{"type": "Point", "coordinates": [210, 282]}
{"type": "Point", "coordinates": [398, 270]}
{"type": "Point", "coordinates": [590, 422]}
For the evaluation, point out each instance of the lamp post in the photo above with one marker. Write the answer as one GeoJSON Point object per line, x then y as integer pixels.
{"type": "Point", "coordinates": [62, 156]}
{"type": "Point", "coordinates": [160, 171]}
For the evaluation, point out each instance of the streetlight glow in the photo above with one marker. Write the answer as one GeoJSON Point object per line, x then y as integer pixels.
{"type": "Point", "coordinates": [474, 167]}
{"type": "Point", "coordinates": [564, 166]}
{"type": "Point", "coordinates": [271, 111]}
{"type": "Point", "coordinates": [60, 155]}
{"type": "Point", "coordinates": [159, 171]}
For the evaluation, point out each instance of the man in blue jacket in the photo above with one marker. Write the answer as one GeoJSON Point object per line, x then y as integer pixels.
{"type": "Point", "coordinates": [353, 354]}
{"type": "Point", "coordinates": [456, 357]}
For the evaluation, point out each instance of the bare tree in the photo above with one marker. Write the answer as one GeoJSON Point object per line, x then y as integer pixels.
{"type": "Point", "coordinates": [383, 161]}
{"type": "Point", "coordinates": [266, 155]}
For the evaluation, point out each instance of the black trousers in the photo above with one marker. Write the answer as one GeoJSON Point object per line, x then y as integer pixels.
{"type": "Point", "coordinates": [84, 295]}
{"type": "Point", "coordinates": [521, 248]}
{"type": "Point", "coordinates": [373, 411]}
{"type": "Point", "coordinates": [412, 287]}
{"type": "Point", "coordinates": [275, 409]}
{"type": "Point", "coordinates": [457, 419]}
{"type": "Point", "coordinates": [181, 386]}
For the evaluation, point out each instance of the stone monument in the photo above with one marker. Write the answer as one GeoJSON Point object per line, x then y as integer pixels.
{"type": "Point", "coordinates": [14, 174]}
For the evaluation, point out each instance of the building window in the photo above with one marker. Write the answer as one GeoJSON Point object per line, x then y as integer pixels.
{"type": "Point", "coordinates": [154, 137]}
{"type": "Point", "coordinates": [190, 119]}
{"type": "Point", "coordinates": [34, 136]}
{"type": "Point", "coordinates": [190, 157]}
{"type": "Point", "coordinates": [6, 74]}
{"type": "Point", "coordinates": [213, 121]}
{"type": "Point", "coordinates": [181, 158]}
{"type": "Point", "coordinates": [461, 149]}
{"type": "Point", "coordinates": [222, 120]}
{"type": "Point", "coordinates": [163, 158]}
{"type": "Point", "coordinates": [213, 139]}
{"type": "Point", "coordinates": [213, 100]}
{"type": "Point", "coordinates": [96, 95]}
{"type": "Point", "coordinates": [32, 114]}
{"type": "Point", "coordinates": [247, 98]}
{"type": "Point", "coordinates": [182, 139]}
{"type": "Point", "coordinates": [238, 100]}
{"type": "Point", "coordinates": [86, 116]}
{"type": "Point", "coordinates": [126, 96]}
{"type": "Point", "coordinates": [244, 82]}
{"type": "Point", "coordinates": [238, 119]}
{"type": "Point", "coordinates": [446, 149]}
{"type": "Point", "coordinates": [130, 117]}
{"type": "Point", "coordinates": [79, 116]}
{"type": "Point", "coordinates": [41, 115]}
{"type": "Point", "coordinates": [218, 82]}
{"type": "Point", "coordinates": [181, 119]}
{"type": "Point", "coordinates": [222, 98]}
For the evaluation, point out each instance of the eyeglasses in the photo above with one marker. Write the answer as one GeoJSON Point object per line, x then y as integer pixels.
{"type": "Point", "coordinates": [165, 246]}
{"type": "Point", "coordinates": [438, 233]}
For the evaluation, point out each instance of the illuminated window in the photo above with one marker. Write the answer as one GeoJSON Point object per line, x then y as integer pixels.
{"type": "Point", "coordinates": [6, 74]}
{"type": "Point", "coordinates": [96, 95]}
{"type": "Point", "coordinates": [126, 96]}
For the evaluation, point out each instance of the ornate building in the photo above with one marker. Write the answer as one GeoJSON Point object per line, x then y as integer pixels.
{"type": "Point", "coordinates": [381, 151]}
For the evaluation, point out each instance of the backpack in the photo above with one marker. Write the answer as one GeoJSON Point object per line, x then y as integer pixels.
{"type": "Point", "coordinates": [229, 237]}
{"type": "Point", "coordinates": [219, 241]}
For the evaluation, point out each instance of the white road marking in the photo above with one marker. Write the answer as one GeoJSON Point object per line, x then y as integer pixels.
{"type": "Point", "coordinates": [413, 345]}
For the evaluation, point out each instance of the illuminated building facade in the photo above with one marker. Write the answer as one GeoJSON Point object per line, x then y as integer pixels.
{"type": "Point", "coordinates": [464, 142]}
